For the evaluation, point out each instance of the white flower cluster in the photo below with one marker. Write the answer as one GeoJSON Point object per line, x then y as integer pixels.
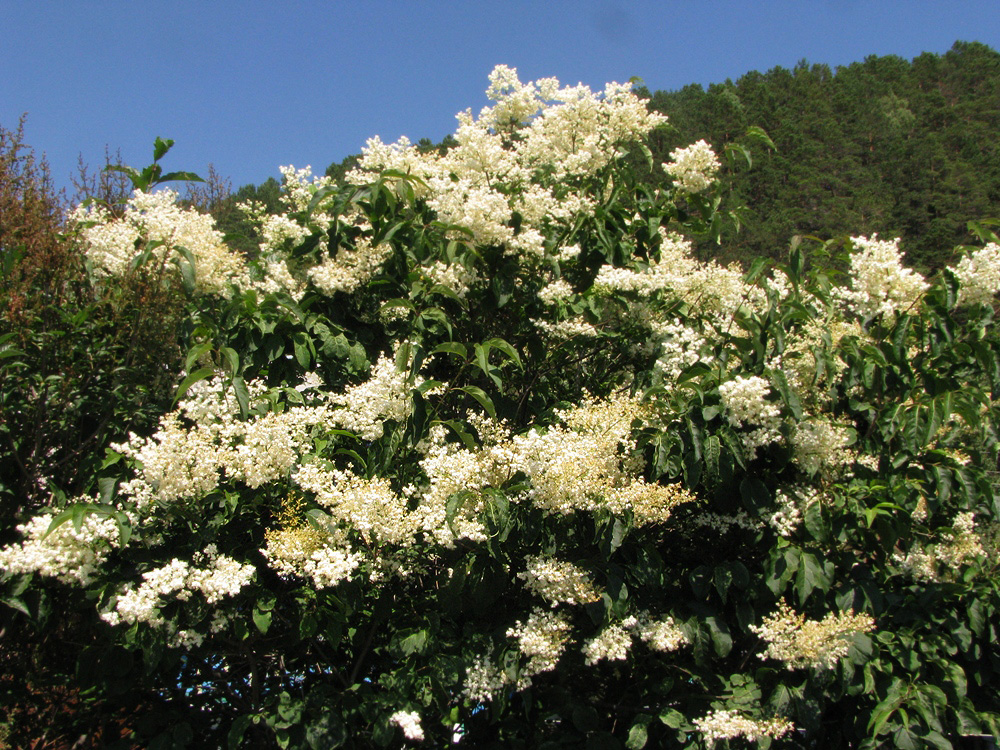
{"type": "Point", "coordinates": [182, 461]}
{"type": "Point", "coordinates": [484, 679]}
{"type": "Point", "coordinates": [409, 722]}
{"type": "Point", "coordinates": [565, 330]}
{"type": "Point", "coordinates": [351, 267]}
{"type": "Point", "coordinates": [296, 552]}
{"type": "Point", "coordinates": [221, 577]}
{"type": "Point", "coordinates": [68, 554]}
{"type": "Point", "coordinates": [693, 168]}
{"type": "Point", "coordinates": [957, 547]}
{"type": "Point", "coordinates": [816, 644]}
{"type": "Point", "coordinates": [558, 582]}
{"type": "Point", "coordinates": [662, 634]}
{"type": "Point", "coordinates": [649, 503]}
{"type": "Point", "coordinates": [788, 517]}
{"type": "Point", "coordinates": [366, 406]}
{"type": "Point", "coordinates": [577, 467]}
{"type": "Point", "coordinates": [542, 639]}
{"type": "Point", "coordinates": [369, 506]}
{"type": "Point", "coordinates": [451, 468]}
{"type": "Point", "coordinates": [821, 446]}
{"type": "Point", "coordinates": [301, 549]}
{"type": "Point", "coordinates": [729, 724]}
{"type": "Point", "coordinates": [804, 344]}
{"type": "Point", "coordinates": [555, 292]}
{"type": "Point", "coordinates": [277, 231]}
{"type": "Point", "coordinates": [679, 348]}
{"type": "Point", "coordinates": [341, 269]}
{"type": "Point", "coordinates": [454, 276]}
{"type": "Point", "coordinates": [611, 644]}
{"type": "Point", "coordinates": [880, 285]}
{"type": "Point", "coordinates": [614, 641]}
{"type": "Point", "coordinates": [155, 221]}
{"type": "Point", "coordinates": [525, 154]}
{"type": "Point", "coordinates": [979, 276]}
{"type": "Point", "coordinates": [722, 523]}
{"type": "Point", "coordinates": [746, 401]}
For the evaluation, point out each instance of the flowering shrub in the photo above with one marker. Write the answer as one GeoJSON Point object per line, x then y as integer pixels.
{"type": "Point", "coordinates": [476, 450]}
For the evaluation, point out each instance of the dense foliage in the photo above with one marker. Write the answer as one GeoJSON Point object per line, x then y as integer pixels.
{"type": "Point", "coordinates": [472, 449]}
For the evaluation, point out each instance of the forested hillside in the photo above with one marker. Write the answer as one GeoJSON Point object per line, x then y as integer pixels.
{"type": "Point", "coordinates": [901, 148]}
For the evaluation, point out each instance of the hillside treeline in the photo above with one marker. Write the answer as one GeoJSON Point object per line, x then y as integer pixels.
{"type": "Point", "coordinates": [905, 149]}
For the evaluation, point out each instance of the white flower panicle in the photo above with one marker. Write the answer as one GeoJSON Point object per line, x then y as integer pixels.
{"type": "Point", "coordinates": [366, 406]}
{"type": "Point", "coordinates": [156, 221]}
{"type": "Point", "coordinates": [298, 548]}
{"type": "Point", "coordinates": [745, 400]}
{"type": "Point", "coordinates": [815, 644]}
{"type": "Point", "coordinates": [182, 461]}
{"type": "Point", "coordinates": [979, 276]}
{"type": "Point", "coordinates": [568, 329]}
{"type": "Point", "coordinates": [558, 582]}
{"type": "Point", "coordinates": [611, 644]}
{"type": "Point", "coordinates": [542, 639]}
{"type": "Point", "coordinates": [788, 517]}
{"type": "Point", "coordinates": [555, 292]}
{"type": "Point", "coordinates": [614, 641]}
{"type": "Point", "coordinates": [454, 276]}
{"type": "Point", "coordinates": [409, 722]}
{"type": "Point", "coordinates": [68, 554]}
{"type": "Point", "coordinates": [957, 547]}
{"type": "Point", "coordinates": [880, 285]}
{"type": "Point", "coordinates": [350, 268]}
{"type": "Point", "coordinates": [178, 581]}
{"type": "Point", "coordinates": [693, 168]}
{"type": "Point", "coordinates": [369, 506]}
{"type": "Point", "coordinates": [660, 634]}
{"type": "Point", "coordinates": [527, 153]}
{"type": "Point", "coordinates": [484, 679]}
{"type": "Point", "coordinates": [821, 446]}
{"type": "Point", "coordinates": [679, 348]}
{"type": "Point", "coordinates": [729, 724]}
{"type": "Point", "coordinates": [649, 503]}
{"type": "Point", "coordinates": [723, 523]}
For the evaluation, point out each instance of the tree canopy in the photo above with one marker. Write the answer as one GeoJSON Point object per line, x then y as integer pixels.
{"type": "Point", "coordinates": [471, 447]}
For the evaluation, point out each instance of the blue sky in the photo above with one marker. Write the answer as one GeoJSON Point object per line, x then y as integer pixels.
{"type": "Point", "coordinates": [249, 85]}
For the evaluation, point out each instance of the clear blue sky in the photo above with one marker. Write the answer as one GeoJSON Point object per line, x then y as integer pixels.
{"type": "Point", "coordinates": [249, 85]}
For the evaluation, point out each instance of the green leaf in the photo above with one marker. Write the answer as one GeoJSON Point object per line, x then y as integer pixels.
{"type": "Point", "coordinates": [75, 513]}
{"type": "Point", "coordinates": [106, 489]}
{"type": "Point", "coordinates": [242, 395]}
{"type": "Point", "coordinates": [638, 735]}
{"type": "Point", "coordinates": [480, 395]}
{"type": "Point", "coordinates": [15, 603]}
{"type": "Point", "coordinates": [179, 177]}
{"type": "Point", "coordinates": [194, 377]}
{"type": "Point", "coordinates": [161, 147]}
{"type": "Point", "coordinates": [188, 270]}
{"type": "Point", "coordinates": [262, 619]}
{"type": "Point", "coordinates": [722, 641]}
{"type": "Point", "coordinates": [506, 348]}
{"type": "Point", "coordinates": [460, 429]}
{"type": "Point", "coordinates": [453, 348]}
{"type": "Point", "coordinates": [231, 358]}
{"type": "Point", "coordinates": [414, 643]}
{"type": "Point", "coordinates": [673, 718]}
{"type": "Point", "coordinates": [303, 350]}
